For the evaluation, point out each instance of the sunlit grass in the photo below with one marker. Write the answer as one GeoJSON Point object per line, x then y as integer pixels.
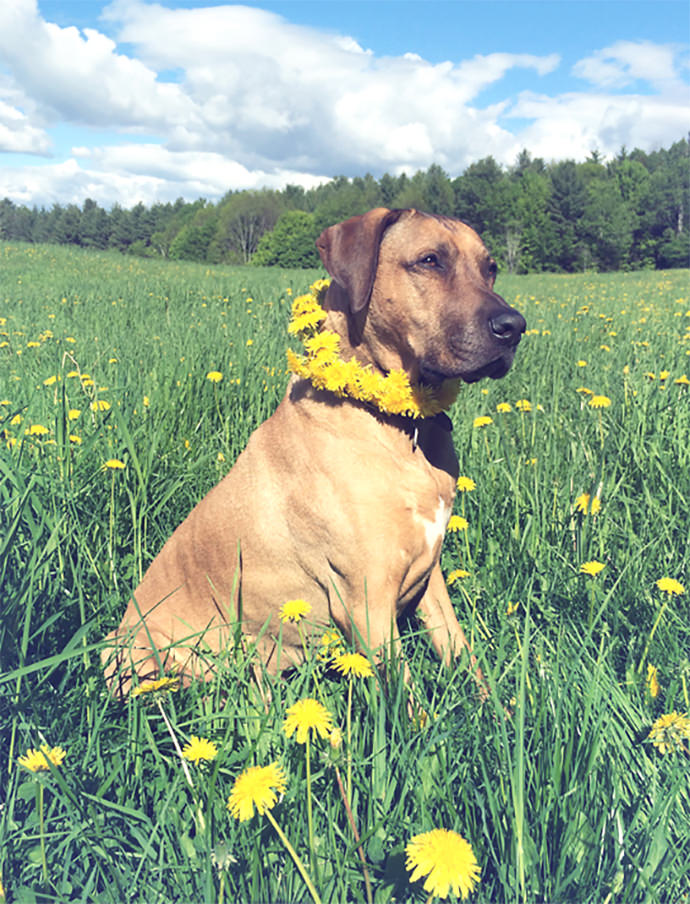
{"type": "Point", "coordinates": [111, 429]}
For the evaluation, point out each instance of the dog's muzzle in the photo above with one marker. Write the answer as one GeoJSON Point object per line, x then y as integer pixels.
{"type": "Point", "coordinates": [507, 326]}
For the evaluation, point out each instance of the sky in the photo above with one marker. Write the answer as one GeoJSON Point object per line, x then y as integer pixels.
{"type": "Point", "coordinates": [133, 100]}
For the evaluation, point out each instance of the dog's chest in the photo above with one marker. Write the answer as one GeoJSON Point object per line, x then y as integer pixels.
{"type": "Point", "coordinates": [434, 527]}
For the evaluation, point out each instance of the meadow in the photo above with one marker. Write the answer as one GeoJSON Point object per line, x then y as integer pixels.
{"type": "Point", "coordinates": [111, 430]}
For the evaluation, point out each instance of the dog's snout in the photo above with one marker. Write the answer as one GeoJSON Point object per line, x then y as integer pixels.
{"type": "Point", "coordinates": [508, 326]}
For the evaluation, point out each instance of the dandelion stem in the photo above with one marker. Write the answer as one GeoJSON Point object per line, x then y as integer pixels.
{"type": "Point", "coordinates": [176, 744]}
{"type": "Point", "coordinates": [42, 831]}
{"type": "Point", "coordinates": [349, 742]}
{"type": "Point", "coordinates": [293, 853]}
{"type": "Point", "coordinates": [310, 822]}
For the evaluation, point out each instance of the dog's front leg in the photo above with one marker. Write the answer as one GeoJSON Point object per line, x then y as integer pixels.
{"type": "Point", "coordinates": [436, 612]}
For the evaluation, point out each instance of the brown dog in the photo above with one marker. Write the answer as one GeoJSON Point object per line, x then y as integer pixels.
{"type": "Point", "coordinates": [332, 501]}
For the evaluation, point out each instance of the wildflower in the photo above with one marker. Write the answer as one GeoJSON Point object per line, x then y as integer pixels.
{"type": "Point", "coordinates": [335, 739]}
{"type": "Point", "coordinates": [523, 405]}
{"type": "Point", "coordinates": [599, 401]}
{"type": "Point", "coordinates": [160, 684]}
{"type": "Point", "coordinates": [504, 407]}
{"type": "Point", "coordinates": [446, 859]}
{"type": "Point", "coordinates": [581, 363]}
{"type": "Point", "coordinates": [592, 568]}
{"type": "Point", "coordinates": [73, 414]}
{"type": "Point", "coordinates": [669, 731]}
{"type": "Point", "coordinates": [664, 374]}
{"type": "Point", "coordinates": [670, 586]}
{"type": "Point", "coordinates": [37, 430]}
{"type": "Point", "coordinates": [331, 644]}
{"type": "Point", "coordinates": [51, 380]}
{"type": "Point", "coordinates": [482, 421]}
{"type": "Point", "coordinates": [466, 484]}
{"type": "Point", "coordinates": [114, 464]}
{"type": "Point", "coordinates": [584, 391]}
{"type": "Point", "coordinates": [198, 749]}
{"type": "Point", "coordinates": [307, 715]}
{"type": "Point", "coordinates": [653, 680]}
{"type": "Point", "coordinates": [100, 405]}
{"type": "Point", "coordinates": [512, 608]}
{"type": "Point", "coordinates": [294, 610]}
{"type": "Point", "coordinates": [38, 760]}
{"type": "Point", "coordinates": [682, 381]}
{"type": "Point", "coordinates": [250, 342]}
{"type": "Point", "coordinates": [457, 523]}
{"type": "Point", "coordinates": [353, 664]}
{"type": "Point", "coordinates": [215, 376]}
{"type": "Point", "coordinates": [457, 575]}
{"type": "Point", "coordinates": [587, 505]}
{"type": "Point", "coordinates": [257, 786]}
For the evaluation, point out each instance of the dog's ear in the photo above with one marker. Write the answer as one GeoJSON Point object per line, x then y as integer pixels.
{"type": "Point", "coordinates": [350, 252]}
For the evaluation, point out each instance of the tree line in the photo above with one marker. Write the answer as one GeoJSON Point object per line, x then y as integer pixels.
{"type": "Point", "coordinates": [630, 212]}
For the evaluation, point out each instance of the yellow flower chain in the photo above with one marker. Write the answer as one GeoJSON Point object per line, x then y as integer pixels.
{"type": "Point", "coordinates": [325, 369]}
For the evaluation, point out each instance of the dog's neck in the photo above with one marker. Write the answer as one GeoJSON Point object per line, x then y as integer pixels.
{"type": "Point", "coordinates": [333, 363]}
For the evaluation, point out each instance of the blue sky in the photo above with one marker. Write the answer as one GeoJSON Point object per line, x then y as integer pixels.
{"type": "Point", "coordinates": [134, 100]}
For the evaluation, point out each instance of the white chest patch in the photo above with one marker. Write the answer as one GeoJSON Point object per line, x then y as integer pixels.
{"type": "Point", "coordinates": [434, 530]}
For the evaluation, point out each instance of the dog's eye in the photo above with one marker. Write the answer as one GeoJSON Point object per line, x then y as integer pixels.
{"type": "Point", "coordinates": [493, 269]}
{"type": "Point", "coordinates": [431, 261]}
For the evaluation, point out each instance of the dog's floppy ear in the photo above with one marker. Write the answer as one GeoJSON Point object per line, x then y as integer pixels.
{"type": "Point", "coordinates": [350, 252]}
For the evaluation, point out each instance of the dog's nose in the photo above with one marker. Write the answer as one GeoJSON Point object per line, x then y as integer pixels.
{"type": "Point", "coordinates": [508, 326]}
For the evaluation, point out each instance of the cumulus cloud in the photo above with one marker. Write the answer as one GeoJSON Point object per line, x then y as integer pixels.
{"type": "Point", "coordinates": [206, 99]}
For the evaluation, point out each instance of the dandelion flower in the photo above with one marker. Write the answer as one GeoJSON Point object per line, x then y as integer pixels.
{"type": "Point", "coordinates": [670, 586]}
{"type": "Point", "coordinates": [592, 568]}
{"type": "Point", "coordinates": [100, 405]}
{"type": "Point", "coordinates": [37, 430]}
{"type": "Point", "coordinates": [599, 401]}
{"type": "Point", "coordinates": [353, 664]}
{"type": "Point", "coordinates": [294, 610]}
{"type": "Point", "coordinates": [457, 523]}
{"type": "Point", "coordinates": [331, 644]}
{"type": "Point", "coordinates": [73, 414]}
{"type": "Point", "coordinates": [38, 760]}
{"type": "Point", "coordinates": [257, 786]}
{"type": "Point", "coordinates": [466, 484]}
{"type": "Point", "coordinates": [446, 859]}
{"type": "Point", "coordinates": [669, 731]}
{"type": "Point", "coordinates": [682, 381]}
{"type": "Point", "coordinates": [523, 405]}
{"type": "Point", "coordinates": [653, 680]}
{"type": "Point", "coordinates": [198, 749]}
{"type": "Point", "coordinates": [114, 464]}
{"type": "Point", "coordinates": [160, 684]}
{"type": "Point", "coordinates": [215, 376]}
{"type": "Point", "coordinates": [482, 421]}
{"type": "Point", "coordinates": [457, 575]}
{"type": "Point", "coordinates": [581, 363]}
{"type": "Point", "coordinates": [504, 407]}
{"type": "Point", "coordinates": [307, 715]}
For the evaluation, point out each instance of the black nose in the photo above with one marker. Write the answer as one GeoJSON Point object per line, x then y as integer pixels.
{"type": "Point", "coordinates": [508, 326]}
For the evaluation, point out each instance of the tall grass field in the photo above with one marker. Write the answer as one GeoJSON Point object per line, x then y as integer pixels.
{"type": "Point", "coordinates": [111, 431]}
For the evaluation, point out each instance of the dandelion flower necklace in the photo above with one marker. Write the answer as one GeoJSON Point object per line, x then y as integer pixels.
{"type": "Point", "coordinates": [322, 365]}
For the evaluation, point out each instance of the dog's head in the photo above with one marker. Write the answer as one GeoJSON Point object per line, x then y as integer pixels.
{"type": "Point", "coordinates": [418, 293]}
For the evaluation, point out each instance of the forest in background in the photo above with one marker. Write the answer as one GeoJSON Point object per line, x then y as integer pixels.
{"type": "Point", "coordinates": [631, 212]}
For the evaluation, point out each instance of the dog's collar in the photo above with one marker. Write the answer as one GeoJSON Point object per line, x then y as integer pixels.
{"type": "Point", "coordinates": [321, 364]}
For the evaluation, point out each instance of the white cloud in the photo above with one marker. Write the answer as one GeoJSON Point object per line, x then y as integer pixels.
{"type": "Point", "coordinates": [237, 97]}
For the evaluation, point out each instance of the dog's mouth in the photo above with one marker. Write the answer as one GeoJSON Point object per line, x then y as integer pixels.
{"type": "Point", "coordinates": [494, 370]}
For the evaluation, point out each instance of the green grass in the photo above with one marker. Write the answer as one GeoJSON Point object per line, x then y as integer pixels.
{"type": "Point", "coordinates": [564, 801]}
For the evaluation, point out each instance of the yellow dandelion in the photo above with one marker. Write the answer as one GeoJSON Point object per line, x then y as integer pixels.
{"type": "Point", "coordinates": [335, 739]}
{"type": "Point", "coordinates": [670, 586]}
{"type": "Point", "coordinates": [40, 760]}
{"type": "Point", "coordinates": [653, 685]}
{"type": "Point", "coordinates": [592, 568]}
{"type": "Point", "coordinates": [504, 407]}
{"type": "Point", "coordinates": [458, 574]}
{"type": "Point", "coordinates": [198, 749]}
{"type": "Point", "coordinates": [37, 430]}
{"type": "Point", "coordinates": [330, 644]}
{"type": "Point", "coordinates": [664, 374]}
{"type": "Point", "coordinates": [669, 732]}
{"type": "Point", "coordinates": [523, 405]}
{"type": "Point", "coordinates": [294, 610]}
{"type": "Point", "coordinates": [214, 376]}
{"type": "Point", "coordinates": [160, 685]}
{"type": "Point", "coordinates": [73, 414]}
{"type": "Point", "coordinates": [446, 859]}
{"type": "Point", "coordinates": [512, 608]}
{"type": "Point", "coordinates": [682, 381]}
{"type": "Point", "coordinates": [73, 438]}
{"type": "Point", "coordinates": [114, 464]}
{"type": "Point", "coordinates": [307, 715]}
{"type": "Point", "coordinates": [580, 363]}
{"type": "Point", "coordinates": [100, 405]}
{"type": "Point", "coordinates": [466, 484]}
{"type": "Point", "coordinates": [457, 523]}
{"type": "Point", "coordinates": [50, 380]}
{"type": "Point", "coordinates": [353, 664]}
{"type": "Point", "coordinates": [257, 786]}
{"type": "Point", "coordinates": [599, 401]}
{"type": "Point", "coordinates": [482, 421]}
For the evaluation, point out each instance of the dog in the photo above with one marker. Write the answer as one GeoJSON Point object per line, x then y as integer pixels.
{"type": "Point", "coordinates": [334, 501]}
